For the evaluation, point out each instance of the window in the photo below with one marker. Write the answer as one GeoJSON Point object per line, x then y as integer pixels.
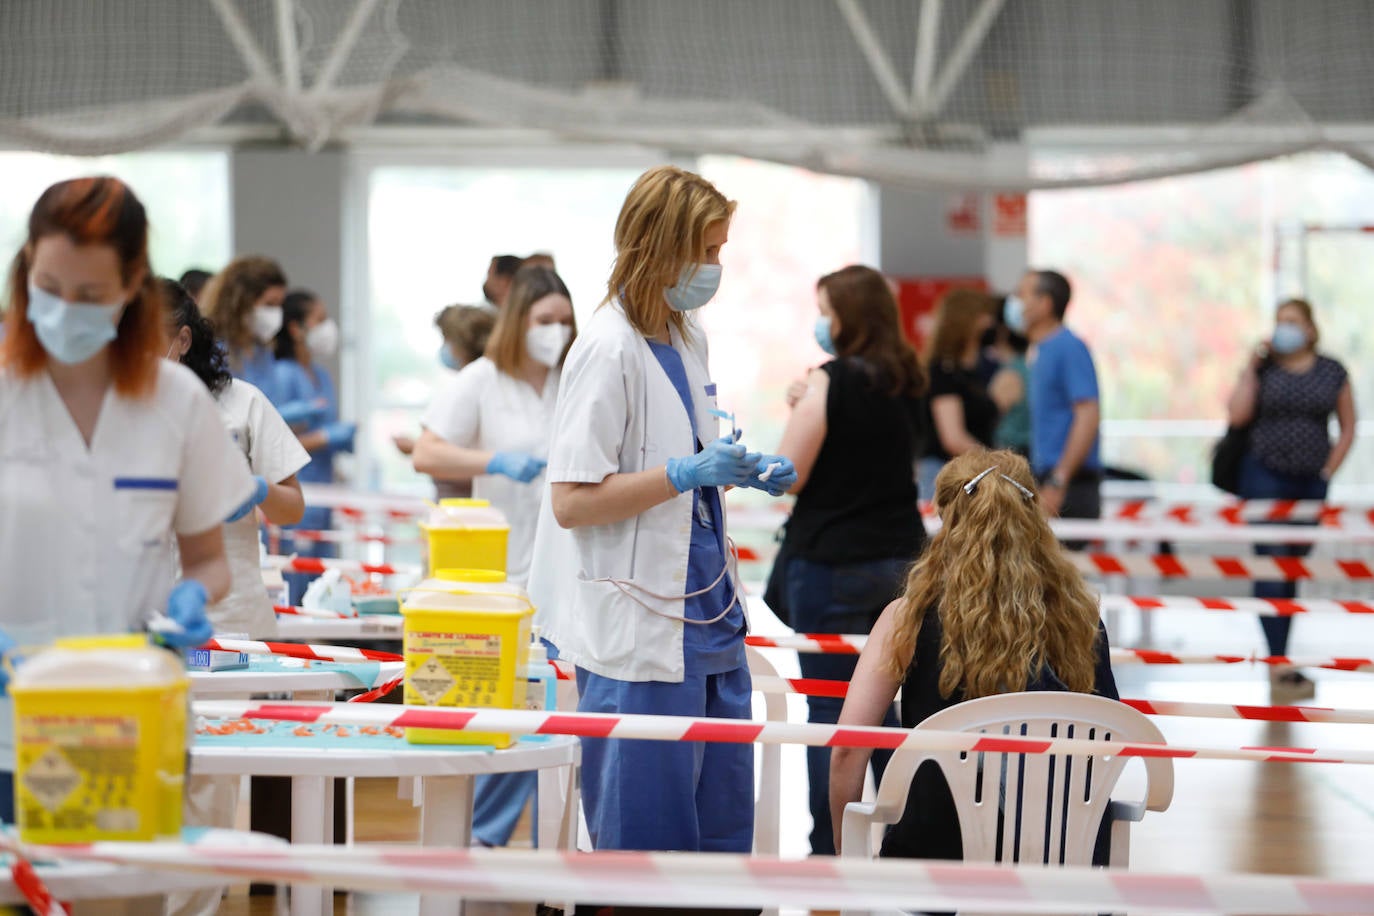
{"type": "Point", "coordinates": [1176, 280]}
{"type": "Point", "coordinates": [433, 227]}
{"type": "Point", "coordinates": [186, 194]}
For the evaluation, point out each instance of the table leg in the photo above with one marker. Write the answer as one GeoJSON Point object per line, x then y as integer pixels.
{"type": "Point", "coordinates": [445, 820]}
{"type": "Point", "coordinates": [312, 822]}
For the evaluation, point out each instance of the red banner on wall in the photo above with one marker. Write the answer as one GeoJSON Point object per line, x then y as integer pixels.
{"type": "Point", "coordinates": [917, 298]}
{"type": "Point", "coordinates": [1009, 214]}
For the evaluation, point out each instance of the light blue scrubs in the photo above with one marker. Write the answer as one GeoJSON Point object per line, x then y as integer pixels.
{"type": "Point", "coordinates": [259, 369]}
{"type": "Point", "coordinates": [673, 795]}
{"type": "Point", "coordinates": [294, 383]}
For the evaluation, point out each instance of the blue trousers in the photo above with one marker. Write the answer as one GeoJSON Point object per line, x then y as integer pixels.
{"type": "Point", "coordinates": [1258, 482]}
{"type": "Point", "coordinates": [668, 795]}
{"type": "Point", "coordinates": [845, 598]}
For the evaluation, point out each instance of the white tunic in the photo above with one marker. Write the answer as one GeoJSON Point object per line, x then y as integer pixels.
{"type": "Point", "coordinates": [618, 412]}
{"type": "Point", "coordinates": [86, 533]}
{"type": "Point", "coordinates": [482, 407]}
{"type": "Point", "coordinates": [271, 451]}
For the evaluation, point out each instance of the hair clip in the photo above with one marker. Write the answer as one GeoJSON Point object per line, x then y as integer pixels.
{"type": "Point", "coordinates": [972, 485]}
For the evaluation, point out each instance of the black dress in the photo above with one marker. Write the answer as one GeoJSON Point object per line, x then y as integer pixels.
{"type": "Point", "coordinates": [929, 826]}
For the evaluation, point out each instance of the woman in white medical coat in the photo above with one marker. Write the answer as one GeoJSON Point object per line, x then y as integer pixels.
{"type": "Point", "coordinates": [270, 450]}
{"type": "Point", "coordinates": [490, 422]}
{"type": "Point", "coordinates": [638, 591]}
{"type": "Point", "coordinates": [107, 450]}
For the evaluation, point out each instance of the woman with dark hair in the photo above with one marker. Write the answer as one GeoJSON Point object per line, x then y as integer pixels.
{"type": "Point", "coordinates": [243, 302]}
{"type": "Point", "coordinates": [962, 414]}
{"type": "Point", "coordinates": [270, 450]}
{"type": "Point", "coordinates": [1286, 396]}
{"type": "Point", "coordinates": [853, 437]}
{"type": "Point", "coordinates": [107, 451]}
{"type": "Point", "coordinates": [308, 338]}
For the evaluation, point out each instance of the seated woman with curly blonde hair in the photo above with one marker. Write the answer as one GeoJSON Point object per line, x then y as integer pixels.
{"type": "Point", "coordinates": [993, 606]}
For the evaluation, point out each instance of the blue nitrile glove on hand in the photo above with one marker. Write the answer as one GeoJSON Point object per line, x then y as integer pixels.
{"type": "Point", "coordinates": [780, 479]}
{"type": "Point", "coordinates": [186, 608]}
{"type": "Point", "coordinates": [516, 465]}
{"type": "Point", "coordinates": [340, 435]}
{"type": "Point", "coordinates": [6, 647]}
{"type": "Point", "coordinates": [722, 463]}
{"type": "Point", "coordinates": [259, 494]}
{"type": "Point", "coordinates": [304, 412]}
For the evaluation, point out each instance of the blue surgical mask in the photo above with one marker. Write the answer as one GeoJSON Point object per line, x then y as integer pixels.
{"type": "Point", "coordinates": [71, 332]}
{"type": "Point", "coordinates": [823, 338]}
{"type": "Point", "coordinates": [1288, 338]}
{"type": "Point", "coordinates": [448, 359]}
{"type": "Point", "coordinates": [1014, 314]}
{"type": "Point", "coordinates": [695, 287]}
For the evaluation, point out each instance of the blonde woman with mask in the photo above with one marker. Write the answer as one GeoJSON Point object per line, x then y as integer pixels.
{"type": "Point", "coordinates": [490, 422]}
{"type": "Point", "coordinates": [993, 606]}
{"type": "Point", "coordinates": [631, 571]}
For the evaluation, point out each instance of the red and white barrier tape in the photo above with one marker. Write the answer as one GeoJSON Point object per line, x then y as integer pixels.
{"type": "Point", "coordinates": [736, 731]}
{"type": "Point", "coordinates": [813, 687]}
{"type": "Point", "coordinates": [313, 612]}
{"type": "Point", "coordinates": [1264, 607]}
{"type": "Point", "coordinates": [318, 565]}
{"type": "Point", "coordinates": [852, 644]}
{"type": "Point", "coordinates": [1240, 512]}
{"type": "Point", "coordinates": [1263, 569]}
{"type": "Point", "coordinates": [355, 504]}
{"type": "Point", "coordinates": [1078, 529]}
{"type": "Point", "coordinates": [731, 880]}
{"type": "Point", "coordinates": [346, 654]}
{"type": "Point", "coordinates": [340, 537]}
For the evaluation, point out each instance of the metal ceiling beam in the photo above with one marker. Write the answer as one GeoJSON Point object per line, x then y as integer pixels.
{"type": "Point", "coordinates": [927, 46]}
{"type": "Point", "coordinates": [343, 47]}
{"type": "Point", "coordinates": [244, 42]}
{"type": "Point", "coordinates": [962, 55]}
{"type": "Point", "coordinates": [288, 49]}
{"type": "Point", "coordinates": [876, 55]}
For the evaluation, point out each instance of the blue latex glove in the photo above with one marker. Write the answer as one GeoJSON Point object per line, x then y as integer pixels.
{"type": "Point", "coordinates": [516, 465]}
{"type": "Point", "coordinates": [778, 482]}
{"type": "Point", "coordinates": [6, 647]}
{"type": "Point", "coordinates": [259, 494]}
{"type": "Point", "coordinates": [186, 606]}
{"type": "Point", "coordinates": [722, 463]}
{"type": "Point", "coordinates": [305, 412]}
{"type": "Point", "coordinates": [340, 435]}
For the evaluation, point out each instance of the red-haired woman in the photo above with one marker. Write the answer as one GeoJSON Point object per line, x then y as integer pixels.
{"type": "Point", "coordinates": [107, 450]}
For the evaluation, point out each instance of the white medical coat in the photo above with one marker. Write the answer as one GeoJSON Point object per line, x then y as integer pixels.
{"type": "Point", "coordinates": [271, 451]}
{"type": "Point", "coordinates": [618, 412]}
{"type": "Point", "coordinates": [86, 532]}
{"type": "Point", "coordinates": [481, 407]}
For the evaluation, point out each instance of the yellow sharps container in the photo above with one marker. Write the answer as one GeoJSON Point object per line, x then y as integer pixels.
{"type": "Point", "coordinates": [466, 534]}
{"type": "Point", "coordinates": [467, 636]}
{"type": "Point", "coordinates": [100, 741]}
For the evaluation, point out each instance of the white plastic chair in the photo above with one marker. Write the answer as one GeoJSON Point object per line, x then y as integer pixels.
{"type": "Point", "coordinates": [1060, 798]}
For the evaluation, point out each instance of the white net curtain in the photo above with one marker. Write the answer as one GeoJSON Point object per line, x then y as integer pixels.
{"type": "Point", "coordinates": [994, 94]}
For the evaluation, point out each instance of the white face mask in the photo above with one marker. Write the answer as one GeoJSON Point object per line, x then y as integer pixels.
{"type": "Point", "coordinates": [545, 343]}
{"type": "Point", "coordinates": [323, 340]}
{"type": "Point", "coordinates": [72, 332]}
{"type": "Point", "coordinates": [266, 322]}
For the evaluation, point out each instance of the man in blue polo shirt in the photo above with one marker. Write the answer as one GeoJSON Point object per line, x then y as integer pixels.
{"type": "Point", "coordinates": [1063, 397]}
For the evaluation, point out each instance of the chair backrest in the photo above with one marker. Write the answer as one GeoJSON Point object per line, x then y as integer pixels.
{"type": "Point", "coordinates": [1033, 808]}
